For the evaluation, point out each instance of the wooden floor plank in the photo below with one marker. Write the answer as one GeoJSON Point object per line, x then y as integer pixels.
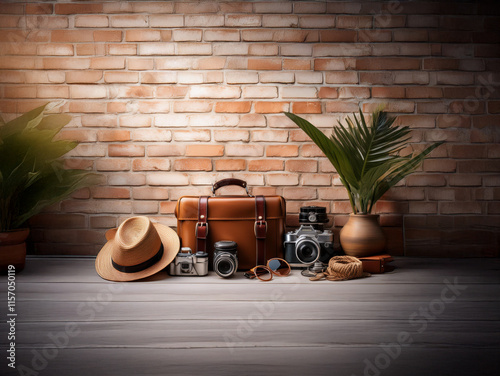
{"type": "Point", "coordinates": [273, 310]}
{"type": "Point", "coordinates": [256, 333]}
{"type": "Point", "coordinates": [256, 291]}
{"type": "Point", "coordinates": [284, 361]}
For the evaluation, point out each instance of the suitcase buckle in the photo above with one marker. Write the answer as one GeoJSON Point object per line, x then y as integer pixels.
{"type": "Point", "coordinates": [203, 225]}
{"type": "Point", "coordinates": [260, 223]}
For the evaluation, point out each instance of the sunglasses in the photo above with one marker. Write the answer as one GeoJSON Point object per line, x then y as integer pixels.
{"type": "Point", "coordinates": [276, 266]}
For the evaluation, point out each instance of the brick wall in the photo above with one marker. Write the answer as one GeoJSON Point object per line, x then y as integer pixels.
{"type": "Point", "coordinates": [168, 97]}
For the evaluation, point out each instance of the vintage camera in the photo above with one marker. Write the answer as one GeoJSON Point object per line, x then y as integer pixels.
{"type": "Point", "coordinates": [186, 263]}
{"type": "Point", "coordinates": [313, 215]}
{"type": "Point", "coordinates": [225, 258]}
{"type": "Point", "coordinates": [306, 246]}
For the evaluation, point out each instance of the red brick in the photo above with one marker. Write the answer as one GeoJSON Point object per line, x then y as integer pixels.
{"type": "Point", "coordinates": [297, 64]}
{"type": "Point", "coordinates": [231, 135]}
{"type": "Point", "coordinates": [271, 107]}
{"type": "Point", "coordinates": [338, 36]}
{"type": "Point", "coordinates": [165, 150]}
{"type": "Point", "coordinates": [244, 150]}
{"type": "Point", "coordinates": [319, 21]}
{"type": "Point", "coordinates": [263, 165]}
{"type": "Point", "coordinates": [83, 164]}
{"type": "Point", "coordinates": [282, 179]}
{"type": "Point", "coordinates": [341, 78]}
{"type": "Point", "coordinates": [328, 93]}
{"type": "Point", "coordinates": [167, 178]}
{"type": "Point", "coordinates": [440, 165]}
{"type": "Point", "coordinates": [388, 92]}
{"type": "Point", "coordinates": [126, 151]}
{"type": "Point", "coordinates": [309, 150]}
{"type": "Point", "coordinates": [233, 107]}
{"type": "Point", "coordinates": [230, 165]}
{"type": "Point", "coordinates": [55, 49]}
{"type": "Point", "coordinates": [300, 193]}
{"type": "Point", "coordinates": [20, 91]}
{"type": "Point", "coordinates": [395, 63]}
{"type": "Point", "coordinates": [306, 108]}
{"type": "Point", "coordinates": [354, 92]}
{"type": "Point", "coordinates": [149, 193]}
{"type": "Point", "coordinates": [140, 64]}
{"type": "Point", "coordinates": [39, 8]}
{"type": "Point", "coordinates": [464, 180]}
{"type": "Point", "coordinates": [110, 192]}
{"type": "Point", "coordinates": [193, 165]}
{"type": "Point", "coordinates": [77, 135]}
{"type": "Point", "coordinates": [99, 120]}
{"type": "Point", "coordinates": [72, 36]}
{"type": "Point", "coordinates": [204, 150]}
{"type": "Point", "coordinates": [342, 107]}
{"type": "Point", "coordinates": [135, 92]}
{"type": "Point", "coordinates": [107, 36]}
{"type": "Point", "coordinates": [424, 92]}
{"type": "Point", "coordinates": [78, 8]}
{"type": "Point", "coordinates": [264, 64]}
{"type": "Point", "coordinates": [299, 165]}
{"type": "Point", "coordinates": [65, 63]}
{"type": "Point", "coordinates": [378, 35]}
{"type": "Point", "coordinates": [214, 92]}
{"type": "Point", "coordinates": [282, 151]}
{"type": "Point", "coordinates": [453, 121]}
{"type": "Point", "coordinates": [171, 92]}
{"type": "Point", "coordinates": [113, 164]}
{"type": "Point", "coordinates": [460, 208]}
{"type": "Point", "coordinates": [121, 77]}
{"type": "Point", "coordinates": [333, 193]}
{"type": "Point", "coordinates": [113, 135]}
{"type": "Point", "coordinates": [107, 63]}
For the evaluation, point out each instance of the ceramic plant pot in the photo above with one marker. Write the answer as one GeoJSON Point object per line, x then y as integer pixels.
{"type": "Point", "coordinates": [362, 236]}
{"type": "Point", "coordinates": [13, 249]}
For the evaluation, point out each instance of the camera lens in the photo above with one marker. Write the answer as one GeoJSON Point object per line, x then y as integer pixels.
{"type": "Point", "coordinates": [307, 251]}
{"type": "Point", "coordinates": [224, 265]}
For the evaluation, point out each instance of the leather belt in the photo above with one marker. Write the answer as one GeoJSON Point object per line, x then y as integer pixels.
{"type": "Point", "coordinates": [260, 229]}
{"type": "Point", "coordinates": [202, 225]}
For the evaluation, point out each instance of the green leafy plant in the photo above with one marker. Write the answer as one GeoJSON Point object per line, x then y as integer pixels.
{"type": "Point", "coordinates": [32, 175]}
{"type": "Point", "coordinates": [367, 158]}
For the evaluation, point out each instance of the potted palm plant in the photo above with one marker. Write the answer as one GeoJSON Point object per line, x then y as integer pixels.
{"type": "Point", "coordinates": [32, 176]}
{"type": "Point", "coordinates": [368, 161]}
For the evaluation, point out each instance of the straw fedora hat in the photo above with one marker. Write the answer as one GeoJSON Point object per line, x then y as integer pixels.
{"type": "Point", "coordinates": [137, 249]}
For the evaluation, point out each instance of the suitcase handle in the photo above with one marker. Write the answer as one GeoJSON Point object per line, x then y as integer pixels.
{"type": "Point", "coordinates": [230, 181]}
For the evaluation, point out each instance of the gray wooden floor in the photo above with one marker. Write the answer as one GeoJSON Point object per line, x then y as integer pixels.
{"type": "Point", "coordinates": [429, 317]}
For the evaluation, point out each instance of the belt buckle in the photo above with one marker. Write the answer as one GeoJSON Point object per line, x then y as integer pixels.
{"type": "Point", "coordinates": [201, 224]}
{"type": "Point", "coordinates": [259, 223]}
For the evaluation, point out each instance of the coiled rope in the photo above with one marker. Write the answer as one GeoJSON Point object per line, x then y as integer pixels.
{"type": "Point", "coordinates": [341, 268]}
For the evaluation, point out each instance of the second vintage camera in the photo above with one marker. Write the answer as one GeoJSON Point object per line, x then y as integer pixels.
{"type": "Point", "coordinates": [225, 258]}
{"type": "Point", "coordinates": [186, 263]}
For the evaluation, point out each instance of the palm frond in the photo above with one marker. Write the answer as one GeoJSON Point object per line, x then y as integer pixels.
{"type": "Point", "coordinates": [366, 157]}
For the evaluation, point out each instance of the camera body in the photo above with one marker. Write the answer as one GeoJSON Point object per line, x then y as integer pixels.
{"type": "Point", "coordinates": [307, 245]}
{"type": "Point", "coordinates": [187, 264]}
{"type": "Point", "coordinates": [225, 258]}
{"type": "Point", "coordinates": [313, 215]}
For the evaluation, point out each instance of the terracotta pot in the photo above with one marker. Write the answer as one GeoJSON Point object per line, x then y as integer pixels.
{"type": "Point", "coordinates": [362, 236]}
{"type": "Point", "coordinates": [13, 249]}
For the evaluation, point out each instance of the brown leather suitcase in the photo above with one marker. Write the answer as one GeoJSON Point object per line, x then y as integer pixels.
{"type": "Point", "coordinates": [256, 224]}
{"type": "Point", "coordinates": [377, 264]}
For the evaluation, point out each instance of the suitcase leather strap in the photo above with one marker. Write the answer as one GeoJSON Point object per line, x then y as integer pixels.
{"type": "Point", "coordinates": [260, 229]}
{"type": "Point", "coordinates": [202, 225]}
